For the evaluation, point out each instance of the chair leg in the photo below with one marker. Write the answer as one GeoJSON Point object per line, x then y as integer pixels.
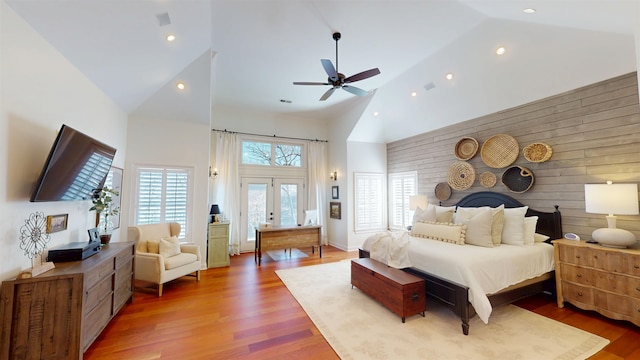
{"type": "Point", "coordinates": [198, 275]}
{"type": "Point", "coordinates": [159, 290]}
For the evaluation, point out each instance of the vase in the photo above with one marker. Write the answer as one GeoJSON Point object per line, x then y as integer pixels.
{"type": "Point", "coordinates": [105, 228]}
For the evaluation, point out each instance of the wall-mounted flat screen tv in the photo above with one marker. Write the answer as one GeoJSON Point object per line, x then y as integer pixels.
{"type": "Point", "coordinates": [77, 166]}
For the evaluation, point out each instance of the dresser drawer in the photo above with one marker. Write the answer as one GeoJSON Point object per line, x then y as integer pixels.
{"type": "Point", "coordinates": [218, 231]}
{"type": "Point", "coordinates": [97, 293]}
{"type": "Point", "coordinates": [95, 321]}
{"type": "Point", "coordinates": [576, 255]}
{"type": "Point", "coordinates": [94, 275]}
{"type": "Point", "coordinates": [636, 311]}
{"type": "Point", "coordinates": [577, 274]}
{"type": "Point", "coordinates": [632, 265]}
{"type": "Point", "coordinates": [577, 293]}
{"type": "Point", "coordinates": [611, 281]}
{"type": "Point", "coordinates": [124, 256]}
{"type": "Point", "coordinates": [633, 287]}
{"type": "Point", "coordinates": [614, 303]}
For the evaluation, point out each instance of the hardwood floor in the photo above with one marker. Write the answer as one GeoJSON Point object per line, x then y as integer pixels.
{"type": "Point", "coordinates": [245, 312]}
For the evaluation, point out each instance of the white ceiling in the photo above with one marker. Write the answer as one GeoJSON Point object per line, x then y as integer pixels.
{"type": "Point", "coordinates": [259, 47]}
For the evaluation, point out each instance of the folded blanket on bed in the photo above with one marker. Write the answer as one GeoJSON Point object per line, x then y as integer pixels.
{"type": "Point", "coordinates": [389, 247]}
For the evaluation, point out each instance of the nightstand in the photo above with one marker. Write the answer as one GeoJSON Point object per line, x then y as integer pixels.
{"type": "Point", "coordinates": [218, 247]}
{"type": "Point", "coordinates": [594, 277]}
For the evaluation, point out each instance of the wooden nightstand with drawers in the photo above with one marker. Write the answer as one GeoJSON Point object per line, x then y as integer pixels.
{"type": "Point", "coordinates": [603, 279]}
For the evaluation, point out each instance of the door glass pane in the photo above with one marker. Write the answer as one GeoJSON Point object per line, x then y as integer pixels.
{"type": "Point", "coordinates": [288, 204]}
{"type": "Point", "coordinates": [257, 208]}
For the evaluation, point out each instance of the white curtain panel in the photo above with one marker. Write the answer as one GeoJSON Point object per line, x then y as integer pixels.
{"type": "Point", "coordinates": [227, 187]}
{"type": "Point", "coordinates": [318, 175]}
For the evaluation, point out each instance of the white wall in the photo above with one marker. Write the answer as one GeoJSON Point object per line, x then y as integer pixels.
{"type": "Point", "coordinates": [39, 91]}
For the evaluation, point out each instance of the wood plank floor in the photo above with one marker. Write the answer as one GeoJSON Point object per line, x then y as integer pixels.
{"type": "Point", "coordinates": [245, 312]}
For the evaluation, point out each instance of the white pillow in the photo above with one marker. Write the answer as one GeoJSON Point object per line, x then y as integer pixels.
{"type": "Point", "coordinates": [451, 233]}
{"type": "Point", "coordinates": [497, 219]}
{"type": "Point", "coordinates": [444, 214]}
{"type": "Point", "coordinates": [530, 229]}
{"type": "Point", "coordinates": [513, 229]}
{"type": "Point", "coordinates": [424, 215]}
{"type": "Point", "coordinates": [478, 223]}
{"type": "Point", "coordinates": [540, 237]}
{"type": "Point", "coordinates": [169, 246]}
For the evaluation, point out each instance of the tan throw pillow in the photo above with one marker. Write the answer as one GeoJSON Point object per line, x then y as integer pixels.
{"type": "Point", "coordinates": [478, 222]}
{"type": "Point", "coordinates": [444, 214]}
{"type": "Point", "coordinates": [153, 246]}
{"type": "Point", "coordinates": [451, 233]}
{"type": "Point", "coordinates": [169, 246]}
{"type": "Point", "coordinates": [420, 215]}
{"type": "Point", "coordinates": [497, 220]}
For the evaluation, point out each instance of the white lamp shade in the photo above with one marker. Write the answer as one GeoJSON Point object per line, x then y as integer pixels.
{"type": "Point", "coordinates": [418, 201]}
{"type": "Point", "coordinates": [619, 199]}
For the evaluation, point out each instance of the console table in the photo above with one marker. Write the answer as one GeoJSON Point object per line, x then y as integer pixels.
{"type": "Point", "coordinates": [287, 237]}
{"type": "Point", "coordinates": [58, 314]}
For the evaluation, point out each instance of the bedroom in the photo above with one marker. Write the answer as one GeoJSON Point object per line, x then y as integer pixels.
{"type": "Point", "coordinates": [26, 109]}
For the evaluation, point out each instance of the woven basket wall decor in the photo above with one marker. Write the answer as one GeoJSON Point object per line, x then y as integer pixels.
{"type": "Point", "coordinates": [518, 179]}
{"type": "Point", "coordinates": [537, 152]}
{"type": "Point", "coordinates": [461, 175]}
{"type": "Point", "coordinates": [487, 179]}
{"type": "Point", "coordinates": [443, 191]}
{"type": "Point", "coordinates": [466, 148]}
{"type": "Point", "coordinates": [499, 151]}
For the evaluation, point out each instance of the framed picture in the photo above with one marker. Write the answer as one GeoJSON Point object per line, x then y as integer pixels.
{"type": "Point", "coordinates": [57, 223]}
{"type": "Point", "coordinates": [334, 192]}
{"type": "Point", "coordinates": [114, 181]}
{"type": "Point", "coordinates": [334, 210]}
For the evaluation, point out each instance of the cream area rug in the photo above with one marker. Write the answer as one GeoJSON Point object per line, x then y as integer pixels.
{"type": "Point", "coordinates": [357, 327]}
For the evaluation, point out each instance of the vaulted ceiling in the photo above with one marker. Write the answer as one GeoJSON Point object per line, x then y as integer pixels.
{"type": "Point", "coordinates": [246, 54]}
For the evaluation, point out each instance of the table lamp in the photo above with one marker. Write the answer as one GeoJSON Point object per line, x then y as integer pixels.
{"type": "Point", "coordinates": [609, 198]}
{"type": "Point", "coordinates": [215, 211]}
{"type": "Point", "coordinates": [418, 201]}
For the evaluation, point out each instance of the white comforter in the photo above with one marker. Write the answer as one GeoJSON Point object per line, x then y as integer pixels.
{"type": "Point", "coordinates": [484, 270]}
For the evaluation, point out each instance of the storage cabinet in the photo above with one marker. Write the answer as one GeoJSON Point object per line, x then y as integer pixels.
{"type": "Point", "coordinates": [593, 277]}
{"type": "Point", "coordinates": [218, 247]}
{"type": "Point", "coordinates": [58, 314]}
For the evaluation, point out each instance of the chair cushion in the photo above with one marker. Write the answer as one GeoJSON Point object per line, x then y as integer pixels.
{"type": "Point", "coordinates": [179, 260]}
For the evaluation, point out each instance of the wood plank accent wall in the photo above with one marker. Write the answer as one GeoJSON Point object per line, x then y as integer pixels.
{"type": "Point", "coordinates": [594, 132]}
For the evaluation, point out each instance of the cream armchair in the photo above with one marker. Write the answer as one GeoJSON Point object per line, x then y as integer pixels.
{"type": "Point", "coordinates": [160, 257]}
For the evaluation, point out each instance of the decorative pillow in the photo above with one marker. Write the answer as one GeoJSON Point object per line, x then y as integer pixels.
{"type": "Point", "coordinates": [444, 214]}
{"type": "Point", "coordinates": [478, 222]}
{"type": "Point", "coordinates": [153, 246]}
{"type": "Point", "coordinates": [447, 232]}
{"type": "Point", "coordinates": [513, 229]}
{"type": "Point", "coordinates": [424, 215]}
{"type": "Point", "coordinates": [497, 219]}
{"type": "Point", "coordinates": [169, 246]}
{"type": "Point", "coordinates": [540, 237]}
{"type": "Point", "coordinates": [530, 229]}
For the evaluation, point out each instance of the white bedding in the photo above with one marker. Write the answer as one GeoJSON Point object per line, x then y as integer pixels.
{"type": "Point", "coordinates": [484, 270]}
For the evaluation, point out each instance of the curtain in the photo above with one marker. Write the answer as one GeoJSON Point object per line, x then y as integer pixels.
{"type": "Point", "coordinates": [227, 186]}
{"type": "Point", "coordinates": [318, 175]}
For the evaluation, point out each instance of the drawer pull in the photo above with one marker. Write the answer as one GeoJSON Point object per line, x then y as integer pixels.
{"type": "Point", "coordinates": [577, 256]}
{"type": "Point", "coordinates": [595, 257]}
{"type": "Point", "coordinates": [579, 275]}
{"type": "Point", "coordinates": [638, 289]}
{"type": "Point", "coordinates": [579, 294]}
{"type": "Point", "coordinates": [636, 266]}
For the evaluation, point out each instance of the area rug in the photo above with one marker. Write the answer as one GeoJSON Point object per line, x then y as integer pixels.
{"type": "Point", "coordinates": [357, 327]}
{"type": "Point", "coordinates": [278, 255]}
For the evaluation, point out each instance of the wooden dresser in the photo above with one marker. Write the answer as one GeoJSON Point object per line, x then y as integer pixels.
{"type": "Point", "coordinates": [593, 277]}
{"type": "Point", "coordinates": [287, 237]}
{"type": "Point", "coordinates": [218, 246]}
{"type": "Point", "coordinates": [58, 314]}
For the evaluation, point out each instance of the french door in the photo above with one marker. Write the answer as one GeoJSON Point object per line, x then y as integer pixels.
{"type": "Point", "coordinates": [279, 201]}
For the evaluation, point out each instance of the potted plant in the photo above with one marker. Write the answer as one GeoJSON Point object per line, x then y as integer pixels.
{"type": "Point", "coordinates": [102, 206]}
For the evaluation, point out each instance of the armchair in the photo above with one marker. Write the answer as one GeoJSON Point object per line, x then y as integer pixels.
{"type": "Point", "coordinates": [160, 257]}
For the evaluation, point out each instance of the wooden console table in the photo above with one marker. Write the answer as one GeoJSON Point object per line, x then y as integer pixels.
{"type": "Point", "coordinates": [287, 237]}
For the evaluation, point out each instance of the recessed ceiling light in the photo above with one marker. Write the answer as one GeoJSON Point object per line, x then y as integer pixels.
{"type": "Point", "coordinates": [180, 85]}
{"type": "Point", "coordinates": [171, 37]}
{"type": "Point", "coordinates": [285, 101]}
{"type": "Point", "coordinates": [413, 93]}
{"type": "Point", "coordinates": [500, 50]}
{"type": "Point", "coordinates": [449, 76]}
{"type": "Point", "coordinates": [529, 10]}
{"type": "Point", "coordinates": [375, 113]}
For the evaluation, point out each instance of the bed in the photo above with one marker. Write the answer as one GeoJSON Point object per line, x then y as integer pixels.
{"type": "Point", "coordinates": [458, 294]}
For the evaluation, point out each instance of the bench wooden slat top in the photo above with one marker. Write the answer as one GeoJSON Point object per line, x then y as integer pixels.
{"type": "Point", "coordinates": [395, 275]}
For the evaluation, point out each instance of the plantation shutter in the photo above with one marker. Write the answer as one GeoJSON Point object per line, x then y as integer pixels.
{"type": "Point", "coordinates": [401, 187]}
{"type": "Point", "coordinates": [370, 202]}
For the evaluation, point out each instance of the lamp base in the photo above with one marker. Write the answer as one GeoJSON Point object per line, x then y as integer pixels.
{"type": "Point", "coordinates": [614, 237]}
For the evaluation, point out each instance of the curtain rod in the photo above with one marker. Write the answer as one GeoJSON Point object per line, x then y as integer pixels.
{"type": "Point", "coordinates": [274, 135]}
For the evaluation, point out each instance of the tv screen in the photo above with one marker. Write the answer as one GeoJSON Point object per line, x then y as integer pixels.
{"type": "Point", "coordinates": [76, 167]}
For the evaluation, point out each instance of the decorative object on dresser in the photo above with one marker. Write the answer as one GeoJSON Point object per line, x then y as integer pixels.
{"type": "Point", "coordinates": [60, 313]}
{"type": "Point", "coordinates": [33, 241]}
{"type": "Point", "coordinates": [102, 205]}
{"type": "Point", "coordinates": [461, 175]}
{"type": "Point", "coordinates": [500, 151]}
{"type": "Point", "coordinates": [214, 212]}
{"type": "Point", "coordinates": [466, 148]}
{"type": "Point", "coordinates": [517, 179]}
{"type": "Point", "coordinates": [610, 198]}
{"type": "Point", "coordinates": [593, 277]}
{"type": "Point", "coordinates": [218, 247]}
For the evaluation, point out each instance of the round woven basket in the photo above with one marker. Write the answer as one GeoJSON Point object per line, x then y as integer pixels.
{"type": "Point", "coordinates": [443, 191]}
{"type": "Point", "coordinates": [499, 151]}
{"type": "Point", "coordinates": [537, 152]}
{"type": "Point", "coordinates": [461, 175]}
{"type": "Point", "coordinates": [487, 179]}
{"type": "Point", "coordinates": [517, 179]}
{"type": "Point", "coordinates": [466, 148]}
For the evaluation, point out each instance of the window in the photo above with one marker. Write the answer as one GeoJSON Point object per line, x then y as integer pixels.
{"type": "Point", "coordinates": [271, 154]}
{"type": "Point", "coordinates": [401, 186]}
{"type": "Point", "coordinates": [370, 202]}
{"type": "Point", "coordinates": [163, 196]}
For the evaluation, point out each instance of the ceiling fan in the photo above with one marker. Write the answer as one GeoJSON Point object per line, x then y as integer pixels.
{"type": "Point", "coordinates": [338, 80]}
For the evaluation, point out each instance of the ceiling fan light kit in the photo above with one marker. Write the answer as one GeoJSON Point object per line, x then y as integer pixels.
{"type": "Point", "coordinates": [338, 80]}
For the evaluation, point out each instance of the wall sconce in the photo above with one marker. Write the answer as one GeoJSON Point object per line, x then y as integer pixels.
{"type": "Point", "coordinates": [334, 176]}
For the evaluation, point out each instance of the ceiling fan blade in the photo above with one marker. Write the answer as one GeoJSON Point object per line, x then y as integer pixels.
{"type": "Point", "coordinates": [354, 90]}
{"type": "Point", "coordinates": [326, 95]}
{"type": "Point", "coordinates": [309, 83]}
{"type": "Point", "coordinates": [363, 75]}
{"type": "Point", "coordinates": [328, 67]}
